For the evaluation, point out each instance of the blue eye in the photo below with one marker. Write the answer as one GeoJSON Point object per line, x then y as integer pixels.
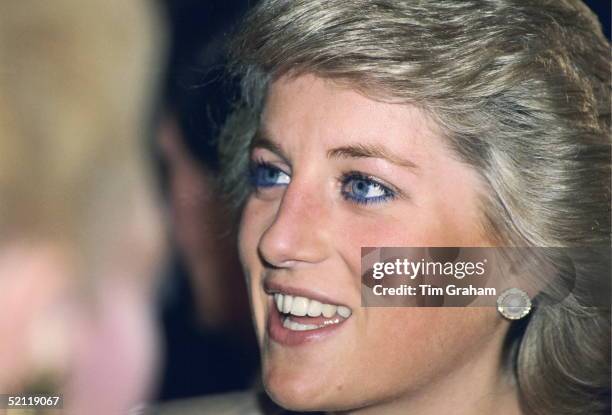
{"type": "Point", "coordinates": [359, 188]}
{"type": "Point", "coordinates": [263, 174]}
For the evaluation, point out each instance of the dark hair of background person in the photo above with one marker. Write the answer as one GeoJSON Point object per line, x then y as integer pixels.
{"type": "Point", "coordinates": [198, 360]}
{"type": "Point", "coordinates": [195, 87]}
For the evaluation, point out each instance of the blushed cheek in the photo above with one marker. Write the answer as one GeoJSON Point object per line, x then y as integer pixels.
{"type": "Point", "coordinates": [349, 240]}
{"type": "Point", "coordinates": [435, 225]}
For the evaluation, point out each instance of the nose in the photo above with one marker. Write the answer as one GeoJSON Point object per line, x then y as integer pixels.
{"type": "Point", "coordinates": [298, 233]}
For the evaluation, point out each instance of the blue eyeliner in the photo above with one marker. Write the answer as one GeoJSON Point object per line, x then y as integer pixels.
{"type": "Point", "coordinates": [363, 189]}
{"type": "Point", "coordinates": [263, 175]}
{"type": "Point", "coordinates": [356, 187]}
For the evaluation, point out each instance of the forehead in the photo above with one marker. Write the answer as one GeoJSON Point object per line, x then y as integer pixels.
{"type": "Point", "coordinates": [312, 101]}
{"type": "Point", "coordinates": [310, 111]}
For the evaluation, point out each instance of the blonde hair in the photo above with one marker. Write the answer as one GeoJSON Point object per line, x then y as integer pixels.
{"type": "Point", "coordinates": [75, 82]}
{"type": "Point", "coordinates": [521, 89]}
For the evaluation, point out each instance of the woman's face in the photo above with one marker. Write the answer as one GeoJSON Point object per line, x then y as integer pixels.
{"type": "Point", "coordinates": [335, 171]}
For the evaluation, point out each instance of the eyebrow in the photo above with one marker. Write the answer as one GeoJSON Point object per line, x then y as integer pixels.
{"type": "Point", "coordinates": [350, 151]}
{"type": "Point", "coordinates": [261, 141]}
{"type": "Point", "coordinates": [369, 151]}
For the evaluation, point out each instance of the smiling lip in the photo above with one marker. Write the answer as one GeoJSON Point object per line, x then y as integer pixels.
{"type": "Point", "coordinates": [288, 337]}
{"type": "Point", "coordinates": [271, 287]}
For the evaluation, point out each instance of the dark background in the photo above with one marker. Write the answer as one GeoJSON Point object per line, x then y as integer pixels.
{"type": "Point", "coordinates": [603, 10]}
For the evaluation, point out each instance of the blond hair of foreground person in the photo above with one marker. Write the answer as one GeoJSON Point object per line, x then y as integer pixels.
{"type": "Point", "coordinates": [78, 230]}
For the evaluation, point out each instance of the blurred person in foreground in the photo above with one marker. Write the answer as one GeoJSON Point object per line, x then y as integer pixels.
{"type": "Point", "coordinates": [79, 233]}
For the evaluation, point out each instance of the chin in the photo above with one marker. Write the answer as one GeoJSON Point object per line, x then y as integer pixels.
{"type": "Point", "coordinates": [298, 391]}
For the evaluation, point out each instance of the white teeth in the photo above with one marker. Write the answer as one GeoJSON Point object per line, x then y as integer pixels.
{"type": "Point", "coordinates": [299, 306]}
{"type": "Point", "coordinates": [329, 310]}
{"type": "Point", "coordinates": [279, 301]}
{"type": "Point", "coordinates": [293, 325]}
{"type": "Point", "coordinates": [314, 308]}
{"type": "Point", "coordinates": [302, 306]}
{"type": "Point", "coordinates": [287, 302]}
{"type": "Point", "coordinates": [344, 311]}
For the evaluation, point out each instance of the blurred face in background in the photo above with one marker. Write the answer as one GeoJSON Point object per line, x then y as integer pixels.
{"type": "Point", "coordinates": [333, 171]}
{"type": "Point", "coordinates": [203, 233]}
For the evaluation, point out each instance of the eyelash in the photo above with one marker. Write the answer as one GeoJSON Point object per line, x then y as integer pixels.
{"type": "Point", "coordinates": [354, 176]}
{"type": "Point", "coordinates": [258, 167]}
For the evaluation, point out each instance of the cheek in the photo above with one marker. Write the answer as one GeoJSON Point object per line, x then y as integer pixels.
{"type": "Point", "coordinates": [246, 239]}
{"type": "Point", "coordinates": [252, 226]}
{"type": "Point", "coordinates": [390, 232]}
{"type": "Point", "coordinates": [435, 226]}
{"type": "Point", "coordinates": [349, 239]}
